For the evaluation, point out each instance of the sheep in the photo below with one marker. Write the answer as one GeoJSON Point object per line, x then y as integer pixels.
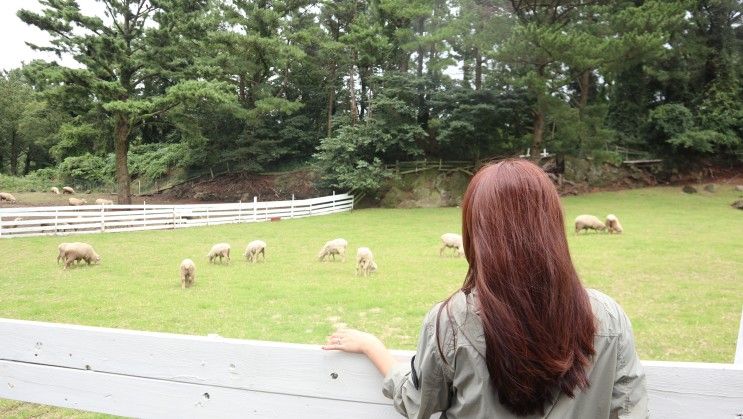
{"type": "Point", "coordinates": [219, 250]}
{"type": "Point", "coordinates": [255, 248]}
{"type": "Point", "coordinates": [454, 241]}
{"type": "Point", "coordinates": [54, 190]}
{"type": "Point", "coordinates": [62, 249]}
{"type": "Point", "coordinates": [78, 251]}
{"type": "Point", "coordinates": [332, 248]}
{"type": "Point", "coordinates": [365, 261]}
{"type": "Point", "coordinates": [613, 225]}
{"type": "Point", "coordinates": [75, 202]}
{"type": "Point", "coordinates": [188, 273]}
{"type": "Point", "coordinates": [102, 201]}
{"type": "Point", "coordinates": [68, 190]}
{"type": "Point", "coordinates": [588, 222]}
{"type": "Point", "coordinates": [5, 196]}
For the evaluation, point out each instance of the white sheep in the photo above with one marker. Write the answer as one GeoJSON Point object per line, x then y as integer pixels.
{"type": "Point", "coordinates": [365, 263]}
{"type": "Point", "coordinates": [255, 248]}
{"type": "Point", "coordinates": [5, 196]}
{"type": "Point", "coordinates": [78, 251]}
{"type": "Point", "coordinates": [188, 273]}
{"type": "Point", "coordinates": [102, 201]}
{"type": "Point", "coordinates": [454, 241]}
{"type": "Point", "coordinates": [219, 250]}
{"type": "Point", "coordinates": [332, 248]}
{"type": "Point", "coordinates": [68, 190]}
{"type": "Point", "coordinates": [613, 225]}
{"type": "Point", "coordinates": [588, 222]}
{"type": "Point", "coordinates": [54, 190]}
{"type": "Point", "coordinates": [75, 202]}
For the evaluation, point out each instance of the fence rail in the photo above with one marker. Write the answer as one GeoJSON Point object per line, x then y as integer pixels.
{"type": "Point", "coordinates": [86, 219]}
{"type": "Point", "coordinates": [147, 374]}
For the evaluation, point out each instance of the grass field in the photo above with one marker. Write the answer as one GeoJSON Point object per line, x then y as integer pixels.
{"type": "Point", "coordinates": [677, 271]}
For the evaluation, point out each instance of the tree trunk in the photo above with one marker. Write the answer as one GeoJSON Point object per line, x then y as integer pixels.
{"type": "Point", "coordinates": [331, 100]}
{"type": "Point", "coordinates": [241, 81]}
{"type": "Point", "coordinates": [121, 147]}
{"type": "Point", "coordinates": [538, 133]}
{"type": "Point", "coordinates": [352, 93]}
{"type": "Point", "coordinates": [13, 152]}
{"type": "Point", "coordinates": [27, 163]}
{"type": "Point", "coordinates": [362, 97]}
{"type": "Point", "coordinates": [584, 81]}
{"type": "Point", "coordinates": [478, 69]}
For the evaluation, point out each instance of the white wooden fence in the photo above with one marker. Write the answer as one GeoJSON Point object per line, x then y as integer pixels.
{"type": "Point", "coordinates": [146, 374]}
{"type": "Point", "coordinates": [38, 221]}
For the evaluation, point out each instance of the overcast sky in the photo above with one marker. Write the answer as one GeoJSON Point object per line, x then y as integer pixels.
{"type": "Point", "coordinates": [14, 33]}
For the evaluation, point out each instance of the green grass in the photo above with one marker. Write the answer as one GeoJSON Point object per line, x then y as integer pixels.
{"type": "Point", "coordinates": [677, 271]}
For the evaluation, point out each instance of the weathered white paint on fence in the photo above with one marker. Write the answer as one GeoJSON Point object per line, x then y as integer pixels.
{"type": "Point", "coordinates": [36, 221]}
{"type": "Point", "coordinates": [135, 373]}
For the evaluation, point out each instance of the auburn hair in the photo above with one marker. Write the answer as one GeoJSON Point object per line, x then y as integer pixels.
{"type": "Point", "coordinates": [536, 314]}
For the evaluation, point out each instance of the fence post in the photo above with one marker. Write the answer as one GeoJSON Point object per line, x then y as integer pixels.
{"type": "Point", "coordinates": [291, 211]}
{"type": "Point", "coordinates": [255, 208]}
{"type": "Point", "coordinates": [144, 211]}
{"type": "Point", "coordinates": [103, 223]}
{"type": "Point", "coordinates": [56, 217]}
{"type": "Point", "coordinates": [239, 210]}
{"type": "Point", "coordinates": [310, 208]}
{"type": "Point", "coordinates": [173, 218]}
{"type": "Point", "coordinates": [333, 206]}
{"type": "Point", "coordinates": [266, 210]}
{"type": "Point", "coordinates": [207, 215]}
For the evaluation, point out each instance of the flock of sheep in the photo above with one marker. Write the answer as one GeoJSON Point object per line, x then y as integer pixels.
{"type": "Point", "coordinates": [5, 196]}
{"type": "Point", "coordinates": [591, 222]}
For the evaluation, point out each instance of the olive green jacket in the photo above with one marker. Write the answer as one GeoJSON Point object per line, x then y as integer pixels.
{"type": "Point", "coordinates": [461, 387]}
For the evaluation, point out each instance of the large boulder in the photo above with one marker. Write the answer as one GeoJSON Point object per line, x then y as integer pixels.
{"type": "Point", "coordinates": [710, 187]}
{"type": "Point", "coordinates": [689, 189]}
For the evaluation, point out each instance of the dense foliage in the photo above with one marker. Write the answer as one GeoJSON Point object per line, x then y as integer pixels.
{"type": "Point", "coordinates": [353, 85]}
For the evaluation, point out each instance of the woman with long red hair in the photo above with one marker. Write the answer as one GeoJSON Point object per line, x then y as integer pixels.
{"type": "Point", "coordinates": [522, 337]}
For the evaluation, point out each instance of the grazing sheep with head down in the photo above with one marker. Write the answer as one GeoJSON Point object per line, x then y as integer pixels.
{"type": "Point", "coordinates": [453, 241]}
{"type": "Point", "coordinates": [255, 248]}
{"type": "Point", "coordinates": [188, 273]}
{"type": "Point", "coordinates": [76, 202]}
{"type": "Point", "coordinates": [54, 190]}
{"type": "Point", "coordinates": [219, 250]}
{"type": "Point", "coordinates": [365, 263]}
{"type": "Point", "coordinates": [5, 196]}
{"type": "Point", "coordinates": [613, 225]}
{"type": "Point", "coordinates": [102, 201]}
{"type": "Point", "coordinates": [68, 190]}
{"type": "Point", "coordinates": [332, 248]}
{"type": "Point", "coordinates": [73, 252]}
{"type": "Point", "coordinates": [588, 222]}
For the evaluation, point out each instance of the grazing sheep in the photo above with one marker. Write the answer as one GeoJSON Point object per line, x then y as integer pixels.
{"type": "Point", "coordinates": [5, 196]}
{"type": "Point", "coordinates": [454, 241]}
{"type": "Point", "coordinates": [188, 273]}
{"type": "Point", "coordinates": [365, 261]}
{"type": "Point", "coordinates": [613, 225]}
{"type": "Point", "coordinates": [332, 248]}
{"type": "Point", "coordinates": [78, 251]}
{"type": "Point", "coordinates": [62, 249]}
{"type": "Point", "coordinates": [101, 201]}
{"type": "Point", "coordinates": [219, 250]}
{"type": "Point", "coordinates": [68, 190]}
{"type": "Point", "coordinates": [588, 222]}
{"type": "Point", "coordinates": [75, 202]}
{"type": "Point", "coordinates": [255, 248]}
{"type": "Point", "coordinates": [54, 190]}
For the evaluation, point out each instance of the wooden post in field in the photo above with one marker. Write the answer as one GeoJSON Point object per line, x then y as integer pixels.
{"type": "Point", "coordinates": [255, 208]}
{"type": "Point", "coordinates": [291, 211]}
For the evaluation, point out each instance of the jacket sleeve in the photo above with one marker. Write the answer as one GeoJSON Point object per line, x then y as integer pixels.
{"type": "Point", "coordinates": [418, 389]}
{"type": "Point", "coordinates": [629, 397]}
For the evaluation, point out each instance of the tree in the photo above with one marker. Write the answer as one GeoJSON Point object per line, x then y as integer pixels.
{"type": "Point", "coordinates": [125, 60]}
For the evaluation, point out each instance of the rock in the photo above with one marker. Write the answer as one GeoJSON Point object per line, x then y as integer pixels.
{"type": "Point", "coordinates": [739, 188]}
{"type": "Point", "coordinates": [737, 204]}
{"type": "Point", "coordinates": [689, 189]}
{"type": "Point", "coordinates": [710, 187]}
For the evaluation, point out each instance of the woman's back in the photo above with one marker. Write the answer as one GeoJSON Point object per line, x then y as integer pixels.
{"type": "Point", "coordinates": [460, 385]}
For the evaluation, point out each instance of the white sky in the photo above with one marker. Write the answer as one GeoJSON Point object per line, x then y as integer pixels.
{"type": "Point", "coordinates": [14, 33]}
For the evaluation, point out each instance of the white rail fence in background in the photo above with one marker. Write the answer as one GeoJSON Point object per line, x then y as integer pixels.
{"type": "Point", "coordinates": [146, 374]}
{"type": "Point", "coordinates": [38, 221]}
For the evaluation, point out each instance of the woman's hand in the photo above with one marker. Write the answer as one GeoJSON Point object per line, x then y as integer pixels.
{"type": "Point", "coordinates": [351, 340]}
